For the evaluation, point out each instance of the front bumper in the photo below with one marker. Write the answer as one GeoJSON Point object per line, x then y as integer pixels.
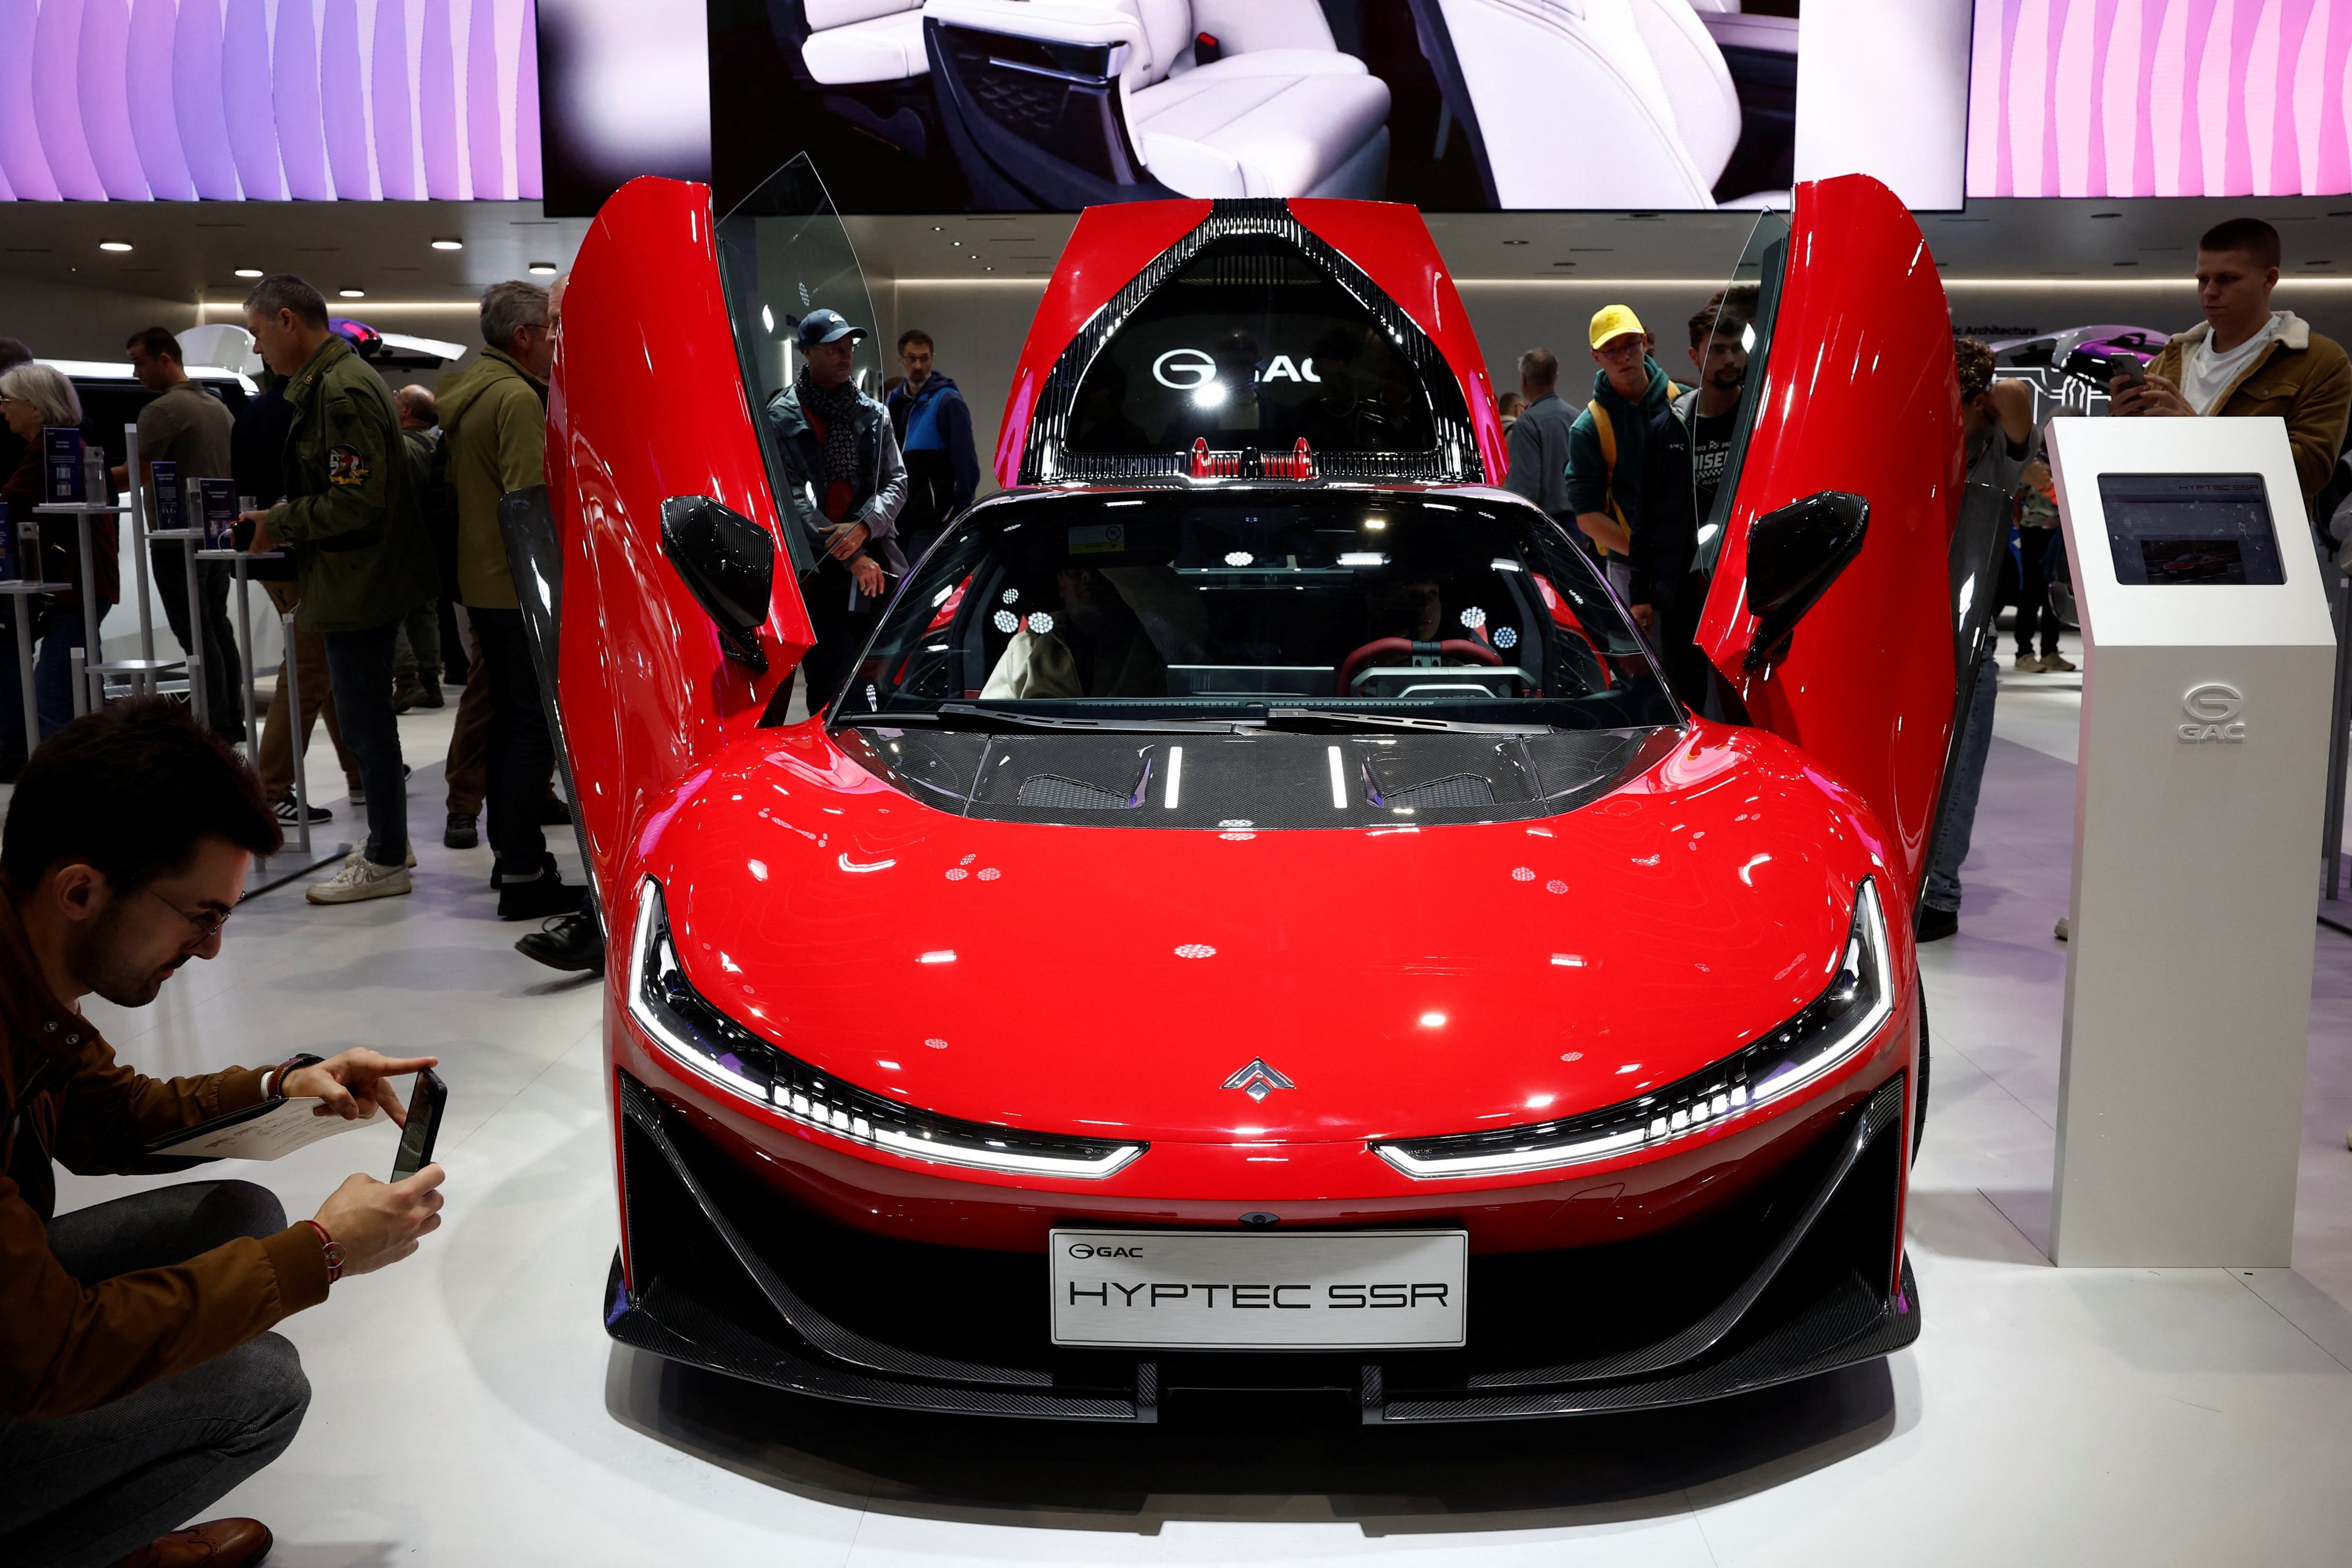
{"type": "Point", "coordinates": [1790, 1281]}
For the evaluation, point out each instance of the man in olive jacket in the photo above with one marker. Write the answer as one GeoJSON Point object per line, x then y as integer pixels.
{"type": "Point", "coordinates": [138, 1377]}
{"type": "Point", "coordinates": [2246, 359]}
{"type": "Point", "coordinates": [351, 522]}
{"type": "Point", "coordinates": [494, 424]}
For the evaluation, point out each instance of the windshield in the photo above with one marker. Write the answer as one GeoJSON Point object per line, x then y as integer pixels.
{"type": "Point", "coordinates": [1755, 288]}
{"type": "Point", "coordinates": [1333, 607]}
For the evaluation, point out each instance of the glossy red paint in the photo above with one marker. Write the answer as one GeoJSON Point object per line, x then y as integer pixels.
{"type": "Point", "coordinates": [1393, 247]}
{"type": "Point", "coordinates": [1109, 245]}
{"type": "Point", "coordinates": [645, 402]}
{"type": "Point", "coordinates": [1861, 395]}
{"type": "Point", "coordinates": [1456, 977]}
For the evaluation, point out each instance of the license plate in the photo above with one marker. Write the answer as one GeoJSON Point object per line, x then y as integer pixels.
{"type": "Point", "coordinates": [1361, 1289]}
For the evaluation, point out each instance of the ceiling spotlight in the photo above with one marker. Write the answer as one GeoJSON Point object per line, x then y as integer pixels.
{"type": "Point", "coordinates": [543, 269]}
{"type": "Point", "coordinates": [352, 293]}
{"type": "Point", "coordinates": [448, 245]}
{"type": "Point", "coordinates": [249, 272]}
{"type": "Point", "coordinates": [117, 245]}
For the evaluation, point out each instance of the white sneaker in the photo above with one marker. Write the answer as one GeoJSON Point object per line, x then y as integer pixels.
{"type": "Point", "coordinates": [362, 878]}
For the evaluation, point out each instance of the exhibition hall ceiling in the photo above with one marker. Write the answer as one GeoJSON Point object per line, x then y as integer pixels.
{"type": "Point", "coordinates": [388, 250]}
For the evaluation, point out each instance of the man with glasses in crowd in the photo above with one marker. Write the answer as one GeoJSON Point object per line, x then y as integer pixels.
{"type": "Point", "coordinates": [1605, 445]}
{"type": "Point", "coordinates": [139, 1379]}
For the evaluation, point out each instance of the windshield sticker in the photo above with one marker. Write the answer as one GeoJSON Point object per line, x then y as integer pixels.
{"type": "Point", "coordinates": [1098, 539]}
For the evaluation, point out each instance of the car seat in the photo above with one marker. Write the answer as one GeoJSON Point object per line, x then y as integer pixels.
{"type": "Point", "coordinates": [852, 43]}
{"type": "Point", "coordinates": [1111, 100]}
{"type": "Point", "coordinates": [1638, 107]}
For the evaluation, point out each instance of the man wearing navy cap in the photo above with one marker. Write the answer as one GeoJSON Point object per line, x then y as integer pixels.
{"type": "Point", "coordinates": [843, 481]}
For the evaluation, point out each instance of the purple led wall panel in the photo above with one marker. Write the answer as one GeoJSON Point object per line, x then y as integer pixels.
{"type": "Point", "coordinates": [294, 89]}
{"type": "Point", "coordinates": [57, 102]}
{"type": "Point", "coordinates": [28, 167]}
{"type": "Point", "coordinates": [153, 128]}
{"type": "Point", "coordinates": [246, 100]}
{"type": "Point", "coordinates": [197, 101]}
{"type": "Point", "coordinates": [484, 144]}
{"type": "Point", "coordinates": [436, 103]}
{"type": "Point", "coordinates": [395, 141]}
{"type": "Point", "coordinates": [343, 102]}
{"type": "Point", "coordinates": [100, 67]}
{"type": "Point", "coordinates": [2161, 98]}
{"type": "Point", "coordinates": [317, 99]}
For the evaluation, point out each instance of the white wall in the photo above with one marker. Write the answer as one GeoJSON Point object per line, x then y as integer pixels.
{"type": "Point", "coordinates": [977, 330]}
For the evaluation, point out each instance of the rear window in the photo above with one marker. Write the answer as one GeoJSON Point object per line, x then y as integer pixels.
{"type": "Point", "coordinates": [1225, 605]}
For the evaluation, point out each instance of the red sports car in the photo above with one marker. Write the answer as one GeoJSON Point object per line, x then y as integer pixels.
{"type": "Point", "coordinates": [1256, 917]}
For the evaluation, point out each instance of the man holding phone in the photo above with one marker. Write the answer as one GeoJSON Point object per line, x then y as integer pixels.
{"type": "Point", "coordinates": [2247, 360]}
{"type": "Point", "coordinates": [138, 1379]}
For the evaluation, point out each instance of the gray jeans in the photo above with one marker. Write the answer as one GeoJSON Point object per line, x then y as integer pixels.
{"type": "Point", "coordinates": [87, 1488]}
{"type": "Point", "coordinates": [1959, 819]}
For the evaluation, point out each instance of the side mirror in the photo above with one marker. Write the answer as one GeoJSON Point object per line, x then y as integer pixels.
{"type": "Point", "coordinates": [1794, 553]}
{"type": "Point", "coordinates": [728, 564]}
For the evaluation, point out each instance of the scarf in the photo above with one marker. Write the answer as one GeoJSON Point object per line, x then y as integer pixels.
{"type": "Point", "coordinates": [835, 407]}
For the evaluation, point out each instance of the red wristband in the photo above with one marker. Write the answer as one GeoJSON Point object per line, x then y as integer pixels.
{"type": "Point", "coordinates": [334, 1251]}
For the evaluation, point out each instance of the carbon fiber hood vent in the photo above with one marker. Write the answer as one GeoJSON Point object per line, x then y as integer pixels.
{"type": "Point", "coordinates": [1253, 780]}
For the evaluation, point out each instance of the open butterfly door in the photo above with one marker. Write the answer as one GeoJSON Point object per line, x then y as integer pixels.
{"type": "Point", "coordinates": [1836, 583]}
{"type": "Point", "coordinates": [678, 595]}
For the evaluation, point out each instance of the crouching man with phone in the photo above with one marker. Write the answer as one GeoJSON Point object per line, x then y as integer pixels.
{"type": "Point", "coordinates": [139, 1380]}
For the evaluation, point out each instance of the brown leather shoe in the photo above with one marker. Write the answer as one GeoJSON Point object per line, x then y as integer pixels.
{"type": "Point", "coordinates": [216, 1543]}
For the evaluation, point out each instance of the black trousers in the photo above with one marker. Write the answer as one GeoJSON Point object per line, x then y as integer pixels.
{"type": "Point", "coordinates": [223, 671]}
{"type": "Point", "coordinates": [2033, 592]}
{"type": "Point", "coordinates": [521, 757]}
{"type": "Point", "coordinates": [83, 1491]}
{"type": "Point", "coordinates": [840, 631]}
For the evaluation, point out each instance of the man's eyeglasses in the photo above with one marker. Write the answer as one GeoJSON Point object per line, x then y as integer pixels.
{"type": "Point", "coordinates": [209, 924]}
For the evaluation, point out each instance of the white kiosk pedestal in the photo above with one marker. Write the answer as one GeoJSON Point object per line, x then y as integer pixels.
{"type": "Point", "coordinates": [2207, 666]}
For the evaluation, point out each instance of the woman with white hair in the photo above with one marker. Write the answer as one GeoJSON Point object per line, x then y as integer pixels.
{"type": "Point", "coordinates": [35, 397]}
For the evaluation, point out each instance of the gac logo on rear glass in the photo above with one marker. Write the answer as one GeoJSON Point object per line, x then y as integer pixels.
{"type": "Point", "coordinates": [1087, 1249]}
{"type": "Point", "coordinates": [1186, 370]}
{"type": "Point", "coordinates": [2213, 709]}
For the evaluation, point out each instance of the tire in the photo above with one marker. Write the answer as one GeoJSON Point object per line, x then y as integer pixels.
{"type": "Point", "coordinates": [1920, 1099]}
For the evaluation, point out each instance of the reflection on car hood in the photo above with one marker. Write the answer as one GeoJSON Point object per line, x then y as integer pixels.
{"type": "Point", "coordinates": [1408, 978]}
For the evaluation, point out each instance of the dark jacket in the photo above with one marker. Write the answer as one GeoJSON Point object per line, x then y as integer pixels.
{"type": "Point", "coordinates": [1538, 453]}
{"type": "Point", "coordinates": [67, 1346]}
{"type": "Point", "coordinates": [878, 493]}
{"type": "Point", "coordinates": [1665, 528]}
{"type": "Point", "coordinates": [61, 560]}
{"type": "Point", "coordinates": [943, 422]}
{"type": "Point", "coordinates": [349, 519]}
{"type": "Point", "coordinates": [1593, 485]}
{"type": "Point", "coordinates": [257, 447]}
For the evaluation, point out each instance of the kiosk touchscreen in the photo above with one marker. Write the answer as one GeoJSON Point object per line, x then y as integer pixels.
{"type": "Point", "coordinates": [2208, 678]}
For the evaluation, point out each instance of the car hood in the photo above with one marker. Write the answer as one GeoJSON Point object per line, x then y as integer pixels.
{"type": "Point", "coordinates": [1396, 981]}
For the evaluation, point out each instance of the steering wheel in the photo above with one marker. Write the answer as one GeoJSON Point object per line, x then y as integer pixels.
{"type": "Point", "coordinates": [1459, 648]}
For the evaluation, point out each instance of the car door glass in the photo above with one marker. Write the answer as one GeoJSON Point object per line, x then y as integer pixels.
{"type": "Point", "coordinates": [1762, 264]}
{"type": "Point", "coordinates": [783, 251]}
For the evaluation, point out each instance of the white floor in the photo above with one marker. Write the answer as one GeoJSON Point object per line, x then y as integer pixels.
{"type": "Point", "coordinates": [469, 1409]}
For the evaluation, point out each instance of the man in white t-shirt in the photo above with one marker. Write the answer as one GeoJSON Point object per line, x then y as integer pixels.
{"type": "Point", "coordinates": [2248, 360]}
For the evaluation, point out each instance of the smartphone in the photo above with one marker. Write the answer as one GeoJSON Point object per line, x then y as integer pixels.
{"type": "Point", "coordinates": [2128, 368]}
{"type": "Point", "coordinates": [424, 1103]}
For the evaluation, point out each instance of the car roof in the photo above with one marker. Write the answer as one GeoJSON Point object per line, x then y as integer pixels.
{"type": "Point", "coordinates": [115, 370]}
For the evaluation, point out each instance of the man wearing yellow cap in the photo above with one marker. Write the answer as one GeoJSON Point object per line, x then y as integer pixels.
{"type": "Point", "coordinates": [1604, 446]}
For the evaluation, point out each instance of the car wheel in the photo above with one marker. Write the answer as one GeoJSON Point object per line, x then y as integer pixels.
{"type": "Point", "coordinates": [1919, 1099]}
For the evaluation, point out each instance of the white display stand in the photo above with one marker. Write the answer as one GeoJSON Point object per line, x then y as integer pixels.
{"type": "Point", "coordinates": [2201, 773]}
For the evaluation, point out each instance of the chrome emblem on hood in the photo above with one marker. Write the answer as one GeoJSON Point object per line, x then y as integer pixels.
{"type": "Point", "coordinates": [1257, 1080]}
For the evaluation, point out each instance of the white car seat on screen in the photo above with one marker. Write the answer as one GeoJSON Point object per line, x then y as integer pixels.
{"type": "Point", "coordinates": [1733, 28]}
{"type": "Point", "coordinates": [1644, 109]}
{"type": "Point", "coordinates": [1281, 113]}
{"type": "Point", "coordinates": [851, 42]}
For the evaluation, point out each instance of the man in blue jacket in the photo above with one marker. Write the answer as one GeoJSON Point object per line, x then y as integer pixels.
{"type": "Point", "coordinates": [1605, 445]}
{"type": "Point", "coordinates": [934, 428]}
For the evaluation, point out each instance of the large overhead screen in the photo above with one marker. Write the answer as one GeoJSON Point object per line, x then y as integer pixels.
{"type": "Point", "coordinates": [918, 106]}
{"type": "Point", "coordinates": [265, 100]}
{"type": "Point", "coordinates": [2159, 98]}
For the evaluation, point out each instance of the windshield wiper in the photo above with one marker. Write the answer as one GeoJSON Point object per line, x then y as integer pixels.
{"type": "Point", "coordinates": [1327, 719]}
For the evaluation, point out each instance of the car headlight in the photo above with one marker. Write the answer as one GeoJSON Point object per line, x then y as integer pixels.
{"type": "Point", "coordinates": [1833, 1028]}
{"type": "Point", "coordinates": [676, 1018]}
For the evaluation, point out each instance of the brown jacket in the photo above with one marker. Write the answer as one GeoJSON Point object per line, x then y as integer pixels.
{"type": "Point", "coordinates": [2301, 378]}
{"type": "Point", "coordinates": [67, 1347]}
